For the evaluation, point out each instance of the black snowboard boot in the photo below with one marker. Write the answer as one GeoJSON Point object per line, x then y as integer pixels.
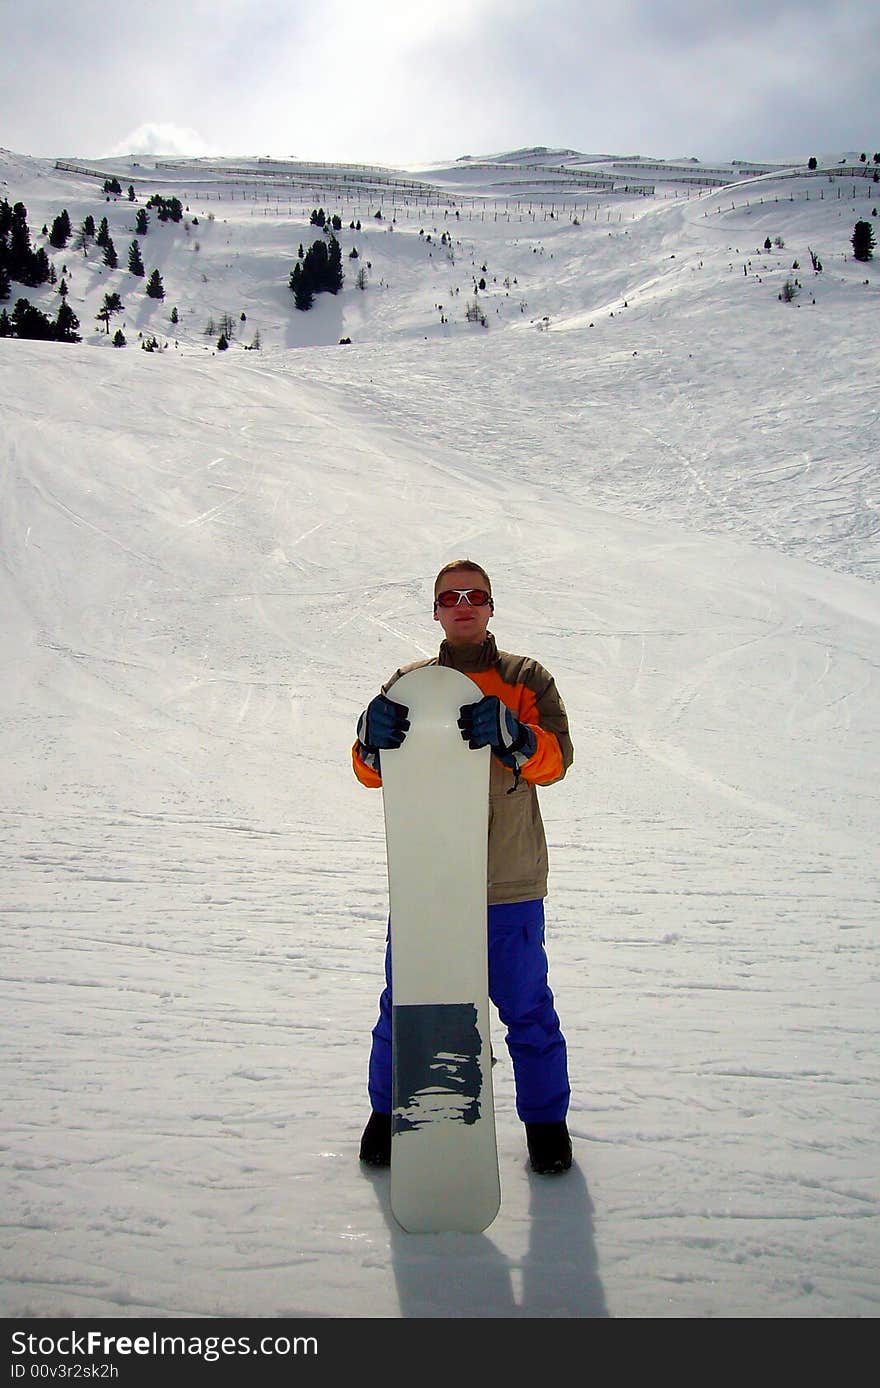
{"type": "Point", "coordinates": [549, 1147]}
{"type": "Point", "coordinates": [376, 1140]}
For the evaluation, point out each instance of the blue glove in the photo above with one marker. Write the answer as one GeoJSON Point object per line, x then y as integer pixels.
{"type": "Point", "coordinates": [383, 724]}
{"type": "Point", "coordinates": [489, 723]}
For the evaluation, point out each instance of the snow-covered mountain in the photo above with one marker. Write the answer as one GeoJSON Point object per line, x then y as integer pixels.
{"type": "Point", "coordinates": [211, 560]}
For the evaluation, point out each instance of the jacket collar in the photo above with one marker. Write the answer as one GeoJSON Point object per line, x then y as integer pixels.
{"type": "Point", "coordinates": [464, 658]}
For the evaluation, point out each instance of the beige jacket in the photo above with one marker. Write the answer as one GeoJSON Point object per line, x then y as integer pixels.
{"type": "Point", "coordinates": [517, 843]}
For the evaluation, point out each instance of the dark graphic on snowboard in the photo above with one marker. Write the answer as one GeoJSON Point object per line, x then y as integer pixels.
{"type": "Point", "coordinates": [437, 1071]}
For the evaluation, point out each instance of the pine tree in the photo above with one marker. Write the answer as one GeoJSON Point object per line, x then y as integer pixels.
{"type": "Point", "coordinates": [39, 270]}
{"type": "Point", "coordinates": [135, 263]}
{"type": "Point", "coordinates": [335, 277]}
{"type": "Point", "coordinates": [102, 236]}
{"type": "Point", "coordinates": [29, 322]}
{"type": "Point", "coordinates": [110, 256]}
{"type": "Point", "coordinates": [6, 329]}
{"type": "Point", "coordinates": [66, 324]}
{"type": "Point", "coordinates": [61, 229]}
{"type": "Point", "coordinates": [5, 283]}
{"type": "Point", "coordinates": [863, 241]}
{"type": "Point", "coordinates": [112, 304]}
{"type": "Point", "coordinates": [119, 338]}
{"type": "Point", "coordinates": [155, 287]}
{"type": "Point", "coordinates": [303, 295]}
{"type": "Point", "coordinates": [142, 221]}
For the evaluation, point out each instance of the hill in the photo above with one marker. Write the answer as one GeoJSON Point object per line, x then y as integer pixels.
{"type": "Point", "coordinates": [211, 560]}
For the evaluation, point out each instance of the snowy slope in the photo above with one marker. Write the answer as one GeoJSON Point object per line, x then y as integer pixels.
{"type": "Point", "coordinates": [210, 562]}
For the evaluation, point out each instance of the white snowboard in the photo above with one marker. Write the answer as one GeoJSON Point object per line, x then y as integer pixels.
{"type": "Point", "coordinates": [444, 1163]}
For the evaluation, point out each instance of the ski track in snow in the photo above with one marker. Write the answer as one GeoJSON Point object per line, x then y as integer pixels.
{"type": "Point", "coordinates": [208, 565]}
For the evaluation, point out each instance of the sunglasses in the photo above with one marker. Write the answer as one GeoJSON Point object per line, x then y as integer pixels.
{"type": "Point", "coordinates": [474, 597]}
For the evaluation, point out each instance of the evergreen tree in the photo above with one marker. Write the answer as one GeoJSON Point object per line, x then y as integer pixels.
{"type": "Point", "coordinates": [89, 225]}
{"type": "Point", "coordinates": [315, 266]}
{"type": "Point", "coordinates": [142, 221]}
{"type": "Point", "coordinates": [6, 329]}
{"type": "Point", "coordinates": [167, 209]}
{"type": "Point", "coordinates": [155, 287]}
{"type": "Point", "coordinates": [39, 270]}
{"type": "Point", "coordinates": [135, 263]}
{"type": "Point", "coordinates": [119, 338]}
{"type": "Point", "coordinates": [303, 295]}
{"type": "Point", "coordinates": [5, 284]}
{"type": "Point", "coordinates": [335, 277]}
{"type": "Point", "coordinates": [62, 288]}
{"type": "Point", "coordinates": [130, 193]}
{"type": "Point", "coordinates": [863, 241]}
{"type": "Point", "coordinates": [61, 229]}
{"type": "Point", "coordinates": [319, 271]}
{"type": "Point", "coordinates": [110, 256]}
{"type": "Point", "coordinates": [112, 304]}
{"type": "Point", "coordinates": [22, 263]}
{"type": "Point", "coordinates": [29, 322]}
{"type": "Point", "coordinates": [66, 324]}
{"type": "Point", "coordinates": [175, 316]}
{"type": "Point", "coordinates": [102, 235]}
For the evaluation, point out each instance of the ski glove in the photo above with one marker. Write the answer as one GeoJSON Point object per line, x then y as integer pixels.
{"type": "Point", "coordinates": [383, 724]}
{"type": "Point", "coordinates": [489, 723]}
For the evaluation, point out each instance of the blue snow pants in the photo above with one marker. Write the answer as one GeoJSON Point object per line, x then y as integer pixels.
{"type": "Point", "coordinates": [519, 989]}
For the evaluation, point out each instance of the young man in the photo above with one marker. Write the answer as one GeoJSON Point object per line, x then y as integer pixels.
{"type": "Point", "coordinates": [521, 717]}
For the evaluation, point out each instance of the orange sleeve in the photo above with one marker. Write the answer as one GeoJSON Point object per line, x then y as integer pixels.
{"type": "Point", "coordinates": [365, 774]}
{"type": "Point", "coordinates": [548, 762]}
{"type": "Point", "coordinates": [546, 765]}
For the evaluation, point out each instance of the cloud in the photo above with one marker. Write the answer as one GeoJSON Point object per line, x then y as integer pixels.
{"type": "Point", "coordinates": [162, 138]}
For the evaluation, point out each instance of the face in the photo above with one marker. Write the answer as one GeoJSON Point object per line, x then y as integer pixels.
{"type": "Point", "coordinates": [463, 625]}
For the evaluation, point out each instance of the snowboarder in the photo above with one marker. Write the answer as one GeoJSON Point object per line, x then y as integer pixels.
{"type": "Point", "coordinates": [523, 720]}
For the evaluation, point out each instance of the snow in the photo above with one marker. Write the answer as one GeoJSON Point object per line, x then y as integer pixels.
{"type": "Point", "coordinates": [210, 561]}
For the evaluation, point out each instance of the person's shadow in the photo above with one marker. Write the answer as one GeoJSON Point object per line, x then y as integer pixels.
{"type": "Point", "coordinates": [467, 1275]}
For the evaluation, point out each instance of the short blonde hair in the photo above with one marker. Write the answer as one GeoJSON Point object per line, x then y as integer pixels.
{"type": "Point", "coordinates": [463, 564]}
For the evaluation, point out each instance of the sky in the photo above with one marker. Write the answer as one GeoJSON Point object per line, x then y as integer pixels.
{"type": "Point", "coordinates": [403, 84]}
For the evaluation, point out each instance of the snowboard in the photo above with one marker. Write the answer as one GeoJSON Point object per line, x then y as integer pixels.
{"type": "Point", "coordinates": [444, 1162]}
